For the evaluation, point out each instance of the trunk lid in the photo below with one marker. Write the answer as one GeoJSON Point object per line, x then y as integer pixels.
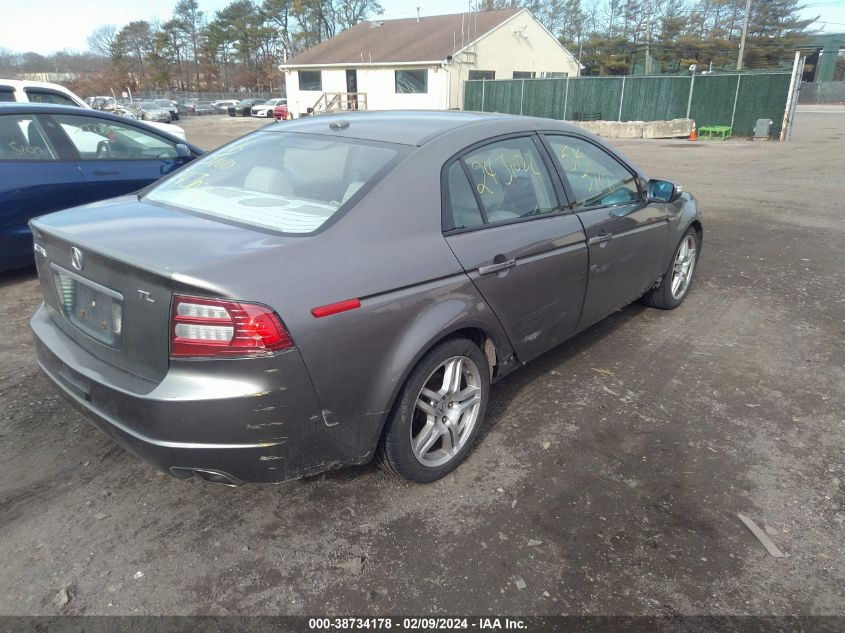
{"type": "Point", "coordinates": [108, 272]}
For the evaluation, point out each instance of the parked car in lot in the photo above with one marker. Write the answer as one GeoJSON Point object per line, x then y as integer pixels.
{"type": "Point", "coordinates": [281, 112]}
{"type": "Point", "coordinates": [243, 107]}
{"type": "Point", "coordinates": [265, 109]}
{"type": "Point", "coordinates": [221, 106]}
{"type": "Point", "coordinates": [52, 157]}
{"type": "Point", "coordinates": [339, 287]}
{"type": "Point", "coordinates": [120, 110]}
{"type": "Point", "coordinates": [201, 108]}
{"type": "Point", "coordinates": [102, 103]}
{"type": "Point", "coordinates": [16, 91]}
{"type": "Point", "coordinates": [152, 111]}
{"type": "Point", "coordinates": [170, 106]}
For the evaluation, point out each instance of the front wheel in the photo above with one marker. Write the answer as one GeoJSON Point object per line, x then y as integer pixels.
{"type": "Point", "coordinates": [438, 414]}
{"type": "Point", "coordinates": [677, 280]}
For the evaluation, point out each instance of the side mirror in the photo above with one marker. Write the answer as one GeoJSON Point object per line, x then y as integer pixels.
{"type": "Point", "coordinates": [182, 151]}
{"type": "Point", "coordinates": [663, 191]}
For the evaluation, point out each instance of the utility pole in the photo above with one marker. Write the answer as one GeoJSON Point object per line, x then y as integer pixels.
{"type": "Point", "coordinates": [744, 31]}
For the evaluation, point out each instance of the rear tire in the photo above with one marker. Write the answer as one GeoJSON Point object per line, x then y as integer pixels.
{"type": "Point", "coordinates": [438, 413]}
{"type": "Point", "coordinates": [677, 280]}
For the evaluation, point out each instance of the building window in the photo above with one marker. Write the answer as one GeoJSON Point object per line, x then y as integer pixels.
{"type": "Point", "coordinates": [518, 74]}
{"type": "Point", "coordinates": [482, 74]}
{"type": "Point", "coordinates": [412, 81]}
{"type": "Point", "coordinates": [554, 75]}
{"type": "Point", "coordinates": [311, 80]}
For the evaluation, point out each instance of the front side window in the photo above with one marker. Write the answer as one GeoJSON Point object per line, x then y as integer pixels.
{"type": "Point", "coordinates": [103, 139]}
{"type": "Point", "coordinates": [22, 138]}
{"type": "Point", "coordinates": [311, 80]}
{"type": "Point", "coordinates": [412, 81]}
{"type": "Point", "coordinates": [511, 180]}
{"type": "Point", "coordinates": [596, 178]}
{"type": "Point", "coordinates": [7, 94]}
{"type": "Point", "coordinates": [281, 181]}
{"type": "Point", "coordinates": [48, 96]}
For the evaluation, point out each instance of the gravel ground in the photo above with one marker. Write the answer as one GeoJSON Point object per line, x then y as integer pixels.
{"type": "Point", "coordinates": [609, 475]}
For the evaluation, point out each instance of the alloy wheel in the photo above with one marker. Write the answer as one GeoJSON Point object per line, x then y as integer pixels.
{"type": "Point", "coordinates": [446, 411]}
{"type": "Point", "coordinates": [683, 267]}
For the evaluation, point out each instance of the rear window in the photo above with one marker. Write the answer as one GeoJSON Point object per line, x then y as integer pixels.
{"type": "Point", "coordinates": [282, 181]}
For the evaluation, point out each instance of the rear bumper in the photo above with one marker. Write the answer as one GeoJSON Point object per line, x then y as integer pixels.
{"type": "Point", "coordinates": [254, 420]}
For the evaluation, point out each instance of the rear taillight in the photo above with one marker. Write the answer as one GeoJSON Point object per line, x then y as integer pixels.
{"type": "Point", "coordinates": [213, 327]}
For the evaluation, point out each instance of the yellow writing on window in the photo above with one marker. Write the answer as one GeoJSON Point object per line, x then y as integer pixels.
{"type": "Point", "coordinates": [503, 169]}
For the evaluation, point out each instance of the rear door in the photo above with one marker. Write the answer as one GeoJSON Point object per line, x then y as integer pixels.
{"type": "Point", "coordinates": [116, 158]}
{"type": "Point", "coordinates": [505, 221]}
{"type": "Point", "coordinates": [626, 237]}
{"type": "Point", "coordinates": [34, 179]}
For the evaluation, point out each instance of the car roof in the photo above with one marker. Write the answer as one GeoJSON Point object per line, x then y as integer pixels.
{"type": "Point", "coordinates": [25, 83]}
{"type": "Point", "coordinates": [412, 127]}
{"type": "Point", "coordinates": [52, 108]}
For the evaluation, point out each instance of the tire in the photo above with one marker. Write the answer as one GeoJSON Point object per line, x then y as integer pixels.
{"type": "Point", "coordinates": [677, 280]}
{"type": "Point", "coordinates": [450, 430]}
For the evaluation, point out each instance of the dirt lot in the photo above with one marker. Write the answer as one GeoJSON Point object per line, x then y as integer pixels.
{"type": "Point", "coordinates": [609, 476]}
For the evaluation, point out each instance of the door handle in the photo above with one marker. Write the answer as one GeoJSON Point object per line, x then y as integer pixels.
{"type": "Point", "coordinates": [497, 267]}
{"type": "Point", "coordinates": [598, 239]}
{"type": "Point", "coordinates": [103, 172]}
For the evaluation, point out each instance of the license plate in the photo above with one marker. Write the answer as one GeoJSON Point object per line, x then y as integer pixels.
{"type": "Point", "coordinates": [94, 309]}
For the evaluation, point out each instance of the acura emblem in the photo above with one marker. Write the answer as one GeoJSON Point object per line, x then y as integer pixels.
{"type": "Point", "coordinates": [76, 258]}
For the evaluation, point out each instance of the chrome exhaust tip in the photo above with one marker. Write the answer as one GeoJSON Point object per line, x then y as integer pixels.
{"type": "Point", "coordinates": [211, 476]}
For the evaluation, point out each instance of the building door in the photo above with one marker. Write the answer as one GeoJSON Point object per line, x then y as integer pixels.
{"type": "Point", "coordinates": [352, 88]}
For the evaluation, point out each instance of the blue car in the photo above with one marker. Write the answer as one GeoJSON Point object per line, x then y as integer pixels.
{"type": "Point", "coordinates": [53, 157]}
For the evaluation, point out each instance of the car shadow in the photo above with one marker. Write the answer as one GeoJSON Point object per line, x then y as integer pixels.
{"type": "Point", "coordinates": [17, 275]}
{"type": "Point", "coordinates": [509, 387]}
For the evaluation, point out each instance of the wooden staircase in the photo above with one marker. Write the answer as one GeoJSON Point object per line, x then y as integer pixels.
{"type": "Point", "coordinates": [330, 102]}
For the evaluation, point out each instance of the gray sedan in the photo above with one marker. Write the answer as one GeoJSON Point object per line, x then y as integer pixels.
{"type": "Point", "coordinates": [343, 287]}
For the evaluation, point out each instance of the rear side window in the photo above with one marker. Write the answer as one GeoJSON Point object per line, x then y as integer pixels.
{"type": "Point", "coordinates": [462, 203]}
{"type": "Point", "coordinates": [511, 180]}
{"type": "Point", "coordinates": [48, 96]}
{"type": "Point", "coordinates": [7, 95]}
{"type": "Point", "coordinates": [282, 181]}
{"type": "Point", "coordinates": [23, 138]}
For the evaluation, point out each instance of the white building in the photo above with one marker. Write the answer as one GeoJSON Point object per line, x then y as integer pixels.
{"type": "Point", "coordinates": [423, 63]}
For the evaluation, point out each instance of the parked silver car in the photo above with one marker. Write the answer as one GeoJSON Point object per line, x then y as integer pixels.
{"type": "Point", "coordinates": [315, 294]}
{"type": "Point", "coordinates": [151, 111]}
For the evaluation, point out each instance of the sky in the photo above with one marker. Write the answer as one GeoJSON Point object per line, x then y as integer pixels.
{"type": "Point", "coordinates": [47, 26]}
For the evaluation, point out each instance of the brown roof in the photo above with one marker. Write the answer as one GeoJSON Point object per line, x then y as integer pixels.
{"type": "Point", "coordinates": [407, 40]}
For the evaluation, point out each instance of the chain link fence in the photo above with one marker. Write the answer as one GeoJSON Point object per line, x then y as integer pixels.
{"type": "Point", "coordinates": [202, 96]}
{"type": "Point", "coordinates": [736, 100]}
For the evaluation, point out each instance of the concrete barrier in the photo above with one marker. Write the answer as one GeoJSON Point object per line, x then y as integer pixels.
{"type": "Point", "coordinates": [676, 128]}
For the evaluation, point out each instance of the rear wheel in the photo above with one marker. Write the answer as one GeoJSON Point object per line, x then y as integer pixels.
{"type": "Point", "coordinates": [438, 414]}
{"type": "Point", "coordinates": [677, 280]}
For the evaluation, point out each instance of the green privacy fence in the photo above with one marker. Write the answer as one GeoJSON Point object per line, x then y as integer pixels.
{"type": "Point", "coordinates": [737, 100]}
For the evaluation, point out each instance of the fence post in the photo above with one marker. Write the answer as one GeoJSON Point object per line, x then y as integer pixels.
{"type": "Point", "coordinates": [736, 97]}
{"type": "Point", "coordinates": [621, 99]}
{"type": "Point", "coordinates": [522, 96]}
{"type": "Point", "coordinates": [786, 124]}
{"type": "Point", "coordinates": [565, 97]}
{"type": "Point", "coordinates": [691, 86]}
{"type": "Point", "coordinates": [483, 80]}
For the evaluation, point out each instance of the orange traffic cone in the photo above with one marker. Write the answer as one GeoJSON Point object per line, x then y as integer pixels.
{"type": "Point", "coordinates": [693, 135]}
